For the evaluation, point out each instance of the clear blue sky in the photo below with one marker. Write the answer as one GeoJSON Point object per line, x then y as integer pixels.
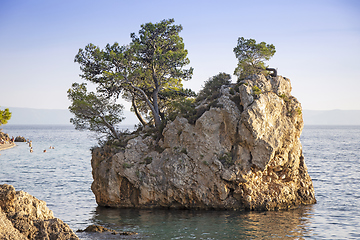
{"type": "Point", "coordinates": [317, 43]}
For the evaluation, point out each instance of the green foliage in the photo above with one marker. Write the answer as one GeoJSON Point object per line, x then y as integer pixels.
{"type": "Point", "coordinates": [256, 90]}
{"type": "Point", "coordinates": [215, 104]}
{"type": "Point", "coordinates": [211, 89]}
{"type": "Point", "coordinates": [148, 72]}
{"type": "Point", "coordinates": [93, 112]}
{"type": "Point", "coordinates": [226, 159]}
{"type": "Point", "coordinates": [183, 107]}
{"type": "Point", "coordinates": [5, 116]}
{"type": "Point", "coordinates": [298, 110]}
{"type": "Point", "coordinates": [290, 105]}
{"type": "Point", "coordinates": [195, 114]}
{"type": "Point", "coordinates": [127, 165]}
{"type": "Point", "coordinates": [184, 151]}
{"type": "Point", "coordinates": [148, 160]}
{"type": "Point", "coordinates": [251, 56]}
{"type": "Point", "coordinates": [186, 106]}
{"type": "Point", "coordinates": [117, 144]}
{"type": "Point", "coordinates": [158, 148]}
{"type": "Point", "coordinates": [232, 91]}
{"type": "Point", "coordinates": [292, 111]}
{"type": "Point", "coordinates": [237, 101]}
{"type": "Point", "coordinates": [285, 97]}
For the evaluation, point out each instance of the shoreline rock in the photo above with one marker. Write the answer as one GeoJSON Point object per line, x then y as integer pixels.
{"type": "Point", "coordinates": [5, 141]}
{"type": "Point", "coordinates": [243, 154]}
{"type": "Point", "coordinates": [20, 139]}
{"type": "Point", "coordinates": [97, 228]}
{"type": "Point", "coordinates": [23, 216]}
{"type": "Point", "coordinates": [7, 146]}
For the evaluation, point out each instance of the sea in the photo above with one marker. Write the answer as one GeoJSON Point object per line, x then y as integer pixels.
{"type": "Point", "coordinates": [61, 176]}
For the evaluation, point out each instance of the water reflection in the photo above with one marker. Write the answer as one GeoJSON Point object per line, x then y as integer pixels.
{"type": "Point", "coordinates": [186, 224]}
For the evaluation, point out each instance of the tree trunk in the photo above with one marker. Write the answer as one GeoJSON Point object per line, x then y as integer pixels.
{"type": "Point", "coordinates": [153, 106]}
{"type": "Point", "coordinates": [137, 113]}
{"type": "Point", "coordinates": [156, 114]}
{"type": "Point", "coordinates": [111, 128]}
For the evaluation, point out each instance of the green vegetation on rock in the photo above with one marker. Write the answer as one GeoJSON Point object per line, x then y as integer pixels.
{"type": "Point", "coordinates": [251, 56]}
{"type": "Point", "coordinates": [148, 72]}
{"type": "Point", "coordinates": [94, 111]}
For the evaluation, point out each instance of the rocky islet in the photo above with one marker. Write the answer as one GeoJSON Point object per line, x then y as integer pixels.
{"type": "Point", "coordinates": [243, 153]}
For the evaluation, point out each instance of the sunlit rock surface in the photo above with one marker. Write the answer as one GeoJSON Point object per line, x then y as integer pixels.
{"type": "Point", "coordinates": [23, 216]}
{"type": "Point", "coordinates": [243, 154]}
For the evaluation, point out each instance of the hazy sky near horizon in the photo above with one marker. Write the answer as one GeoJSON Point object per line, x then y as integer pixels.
{"type": "Point", "coordinates": [317, 43]}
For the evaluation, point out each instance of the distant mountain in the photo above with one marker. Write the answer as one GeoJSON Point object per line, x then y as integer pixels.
{"type": "Point", "coordinates": [62, 116]}
{"type": "Point", "coordinates": [331, 117]}
{"type": "Point", "coordinates": [31, 116]}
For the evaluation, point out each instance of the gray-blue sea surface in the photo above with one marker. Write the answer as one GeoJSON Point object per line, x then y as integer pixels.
{"type": "Point", "coordinates": [62, 177]}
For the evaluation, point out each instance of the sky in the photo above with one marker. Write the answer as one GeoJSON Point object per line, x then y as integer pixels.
{"type": "Point", "coordinates": [317, 43]}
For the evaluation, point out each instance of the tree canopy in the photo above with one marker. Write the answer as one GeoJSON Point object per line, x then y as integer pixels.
{"type": "Point", "coordinates": [251, 56]}
{"type": "Point", "coordinates": [212, 86]}
{"type": "Point", "coordinates": [92, 112]}
{"type": "Point", "coordinates": [148, 72]}
{"type": "Point", "coordinates": [5, 116]}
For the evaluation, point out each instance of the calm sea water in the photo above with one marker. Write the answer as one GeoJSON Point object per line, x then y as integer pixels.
{"type": "Point", "coordinates": [62, 178]}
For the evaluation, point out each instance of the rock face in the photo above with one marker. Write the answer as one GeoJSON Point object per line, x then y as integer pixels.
{"type": "Point", "coordinates": [22, 216]}
{"type": "Point", "coordinates": [243, 154]}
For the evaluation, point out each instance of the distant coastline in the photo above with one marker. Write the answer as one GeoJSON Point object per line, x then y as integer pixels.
{"type": "Point", "coordinates": [331, 117]}
{"type": "Point", "coordinates": [30, 116]}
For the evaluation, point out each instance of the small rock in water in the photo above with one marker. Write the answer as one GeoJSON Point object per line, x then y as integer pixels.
{"type": "Point", "coordinates": [98, 228]}
{"type": "Point", "coordinates": [20, 139]}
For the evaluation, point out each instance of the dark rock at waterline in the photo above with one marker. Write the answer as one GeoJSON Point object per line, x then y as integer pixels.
{"type": "Point", "coordinates": [97, 228]}
{"type": "Point", "coordinates": [20, 139]}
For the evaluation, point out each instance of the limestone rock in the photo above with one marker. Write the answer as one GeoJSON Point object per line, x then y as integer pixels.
{"type": "Point", "coordinates": [7, 230]}
{"type": "Point", "coordinates": [244, 154]}
{"type": "Point", "coordinates": [4, 136]}
{"type": "Point", "coordinates": [23, 216]}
